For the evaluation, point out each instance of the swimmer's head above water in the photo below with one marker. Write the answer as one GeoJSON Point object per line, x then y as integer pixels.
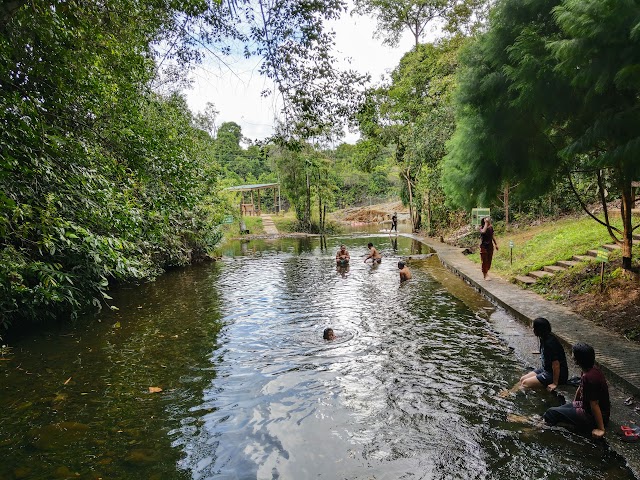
{"type": "Point", "coordinates": [328, 334]}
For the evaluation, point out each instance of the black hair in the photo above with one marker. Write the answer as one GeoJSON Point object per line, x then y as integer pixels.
{"type": "Point", "coordinates": [400, 264]}
{"type": "Point", "coordinates": [584, 355]}
{"type": "Point", "coordinates": [541, 327]}
{"type": "Point", "coordinates": [369, 244]}
{"type": "Point", "coordinates": [326, 333]}
{"type": "Point", "coordinates": [482, 222]}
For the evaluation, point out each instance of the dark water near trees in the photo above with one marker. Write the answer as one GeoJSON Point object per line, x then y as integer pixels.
{"type": "Point", "coordinates": [250, 389]}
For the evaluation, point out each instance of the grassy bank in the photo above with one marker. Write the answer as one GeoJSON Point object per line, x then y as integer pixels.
{"type": "Point", "coordinates": [540, 245]}
{"type": "Point", "coordinates": [613, 303]}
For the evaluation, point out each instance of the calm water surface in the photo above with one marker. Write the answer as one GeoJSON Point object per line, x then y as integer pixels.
{"type": "Point", "coordinates": [251, 391]}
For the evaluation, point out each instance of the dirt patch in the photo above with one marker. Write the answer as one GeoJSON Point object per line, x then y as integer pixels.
{"type": "Point", "coordinates": [615, 308]}
{"type": "Point", "coordinates": [372, 213]}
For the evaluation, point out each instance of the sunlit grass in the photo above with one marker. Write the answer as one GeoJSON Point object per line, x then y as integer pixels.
{"type": "Point", "coordinates": [537, 246]}
{"type": "Point", "coordinates": [285, 222]}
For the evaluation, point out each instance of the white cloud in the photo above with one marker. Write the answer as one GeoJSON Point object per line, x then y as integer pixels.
{"type": "Point", "coordinates": [235, 90]}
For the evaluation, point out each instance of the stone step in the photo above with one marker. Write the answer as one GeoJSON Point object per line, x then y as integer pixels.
{"type": "Point", "coordinates": [553, 268]}
{"type": "Point", "coordinates": [592, 253]}
{"type": "Point", "coordinates": [582, 258]}
{"type": "Point", "coordinates": [611, 247]}
{"type": "Point", "coordinates": [540, 274]}
{"type": "Point", "coordinates": [567, 263]}
{"type": "Point", "coordinates": [525, 279]}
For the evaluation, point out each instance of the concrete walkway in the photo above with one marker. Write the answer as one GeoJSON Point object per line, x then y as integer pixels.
{"type": "Point", "coordinates": [268, 225]}
{"type": "Point", "coordinates": [618, 358]}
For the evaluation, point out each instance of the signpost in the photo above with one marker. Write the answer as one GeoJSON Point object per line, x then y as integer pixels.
{"type": "Point", "coordinates": [602, 257]}
{"type": "Point", "coordinates": [477, 214]}
{"type": "Point", "coordinates": [511, 251]}
{"type": "Point", "coordinates": [227, 219]}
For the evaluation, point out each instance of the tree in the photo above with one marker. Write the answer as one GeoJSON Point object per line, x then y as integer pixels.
{"type": "Point", "coordinates": [101, 179]}
{"type": "Point", "coordinates": [414, 115]}
{"type": "Point", "coordinates": [550, 90]}
{"type": "Point", "coordinates": [396, 16]}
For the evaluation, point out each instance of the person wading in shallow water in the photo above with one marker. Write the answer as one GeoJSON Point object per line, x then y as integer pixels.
{"type": "Point", "coordinates": [487, 241]}
{"type": "Point", "coordinates": [342, 257]}
{"type": "Point", "coordinates": [405, 274]}
{"type": "Point", "coordinates": [374, 255]}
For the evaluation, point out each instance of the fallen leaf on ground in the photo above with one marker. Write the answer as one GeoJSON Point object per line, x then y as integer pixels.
{"type": "Point", "coordinates": [155, 389]}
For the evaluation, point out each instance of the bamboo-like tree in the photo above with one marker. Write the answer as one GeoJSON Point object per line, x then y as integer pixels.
{"type": "Point", "coordinates": [550, 89]}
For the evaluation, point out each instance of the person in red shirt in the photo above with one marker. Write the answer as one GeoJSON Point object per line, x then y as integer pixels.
{"type": "Point", "coordinates": [487, 241]}
{"type": "Point", "coordinates": [591, 407]}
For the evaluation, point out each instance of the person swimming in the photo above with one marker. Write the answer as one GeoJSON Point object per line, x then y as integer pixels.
{"type": "Point", "coordinates": [405, 273]}
{"type": "Point", "coordinates": [328, 334]}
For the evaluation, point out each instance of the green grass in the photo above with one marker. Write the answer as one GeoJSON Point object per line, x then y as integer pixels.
{"type": "Point", "coordinates": [254, 225]}
{"type": "Point", "coordinates": [285, 223]}
{"type": "Point", "coordinates": [537, 246]}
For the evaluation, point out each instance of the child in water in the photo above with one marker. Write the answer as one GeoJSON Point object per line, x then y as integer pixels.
{"type": "Point", "coordinates": [328, 334]}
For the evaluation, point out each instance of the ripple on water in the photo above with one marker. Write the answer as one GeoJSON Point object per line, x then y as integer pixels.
{"type": "Point", "coordinates": [251, 390]}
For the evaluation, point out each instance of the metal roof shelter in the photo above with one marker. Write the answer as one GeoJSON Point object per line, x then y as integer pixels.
{"type": "Point", "coordinates": [247, 208]}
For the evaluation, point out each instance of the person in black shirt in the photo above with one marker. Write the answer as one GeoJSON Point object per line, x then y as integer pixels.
{"type": "Point", "coordinates": [554, 370]}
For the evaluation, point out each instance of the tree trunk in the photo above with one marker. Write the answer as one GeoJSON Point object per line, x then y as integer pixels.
{"type": "Point", "coordinates": [307, 212]}
{"type": "Point", "coordinates": [625, 210]}
{"type": "Point", "coordinates": [428, 193]}
{"type": "Point", "coordinates": [506, 206]}
{"type": "Point", "coordinates": [411, 212]}
{"type": "Point", "coordinates": [324, 216]}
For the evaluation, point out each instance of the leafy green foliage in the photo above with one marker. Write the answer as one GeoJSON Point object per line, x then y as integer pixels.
{"type": "Point", "coordinates": [547, 90]}
{"type": "Point", "coordinates": [396, 16]}
{"type": "Point", "coordinates": [102, 181]}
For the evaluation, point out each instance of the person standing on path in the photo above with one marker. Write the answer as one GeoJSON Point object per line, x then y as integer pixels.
{"type": "Point", "coordinates": [487, 241]}
{"type": "Point", "coordinates": [394, 222]}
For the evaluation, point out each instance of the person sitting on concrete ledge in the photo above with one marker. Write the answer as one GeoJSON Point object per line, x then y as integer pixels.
{"type": "Point", "coordinates": [591, 407]}
{"type": "Point", "coordinates": [554, 369]}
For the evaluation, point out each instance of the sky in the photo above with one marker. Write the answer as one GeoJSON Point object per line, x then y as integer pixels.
{"type": "Point", "coordinates": [235, 89]}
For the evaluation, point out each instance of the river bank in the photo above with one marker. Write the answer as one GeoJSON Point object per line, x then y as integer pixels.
{"type": "Point", "coordinates": [617, 357]}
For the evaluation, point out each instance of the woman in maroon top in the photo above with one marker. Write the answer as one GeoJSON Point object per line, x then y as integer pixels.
{"type": "Point", "coordinates": [591, 407]}
{"type": "Point", "coordinates": [487, 241]}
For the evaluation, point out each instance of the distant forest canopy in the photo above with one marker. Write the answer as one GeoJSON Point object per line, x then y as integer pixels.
{"type": "Point", "coordinates": [529, 108]}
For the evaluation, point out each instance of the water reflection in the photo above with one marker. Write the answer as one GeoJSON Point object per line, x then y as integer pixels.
{"type": "Point", "coordinates": [251, 390]}
{"type": "Point", "coordinates": [409, 391]}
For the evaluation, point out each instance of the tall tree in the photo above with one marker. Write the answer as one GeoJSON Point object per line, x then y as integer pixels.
{"type": "Point", "coordinates": [414, 114]}
{"type": "Point", "coordinates": [548, 90]}
{"type": "Point", "coordinates": [397, 16]}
